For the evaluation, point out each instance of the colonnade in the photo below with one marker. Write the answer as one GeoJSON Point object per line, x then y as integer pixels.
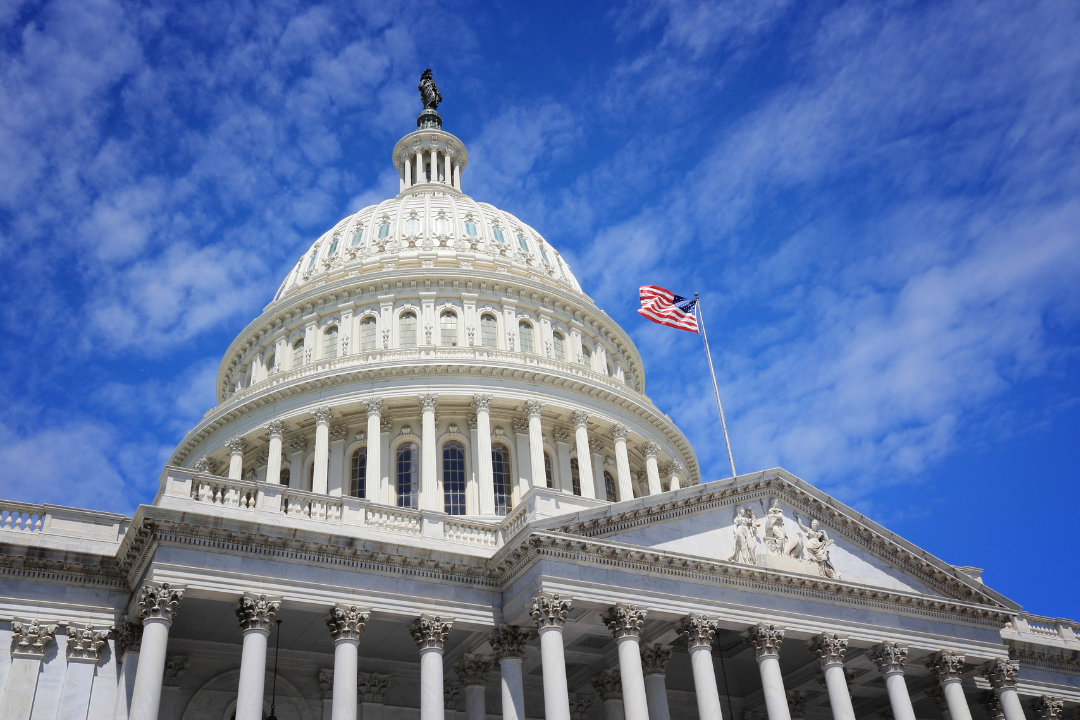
{"type": "Point", "coordinates": [634, 690]}
{"type": "Point", "coordinates": [417, 163]}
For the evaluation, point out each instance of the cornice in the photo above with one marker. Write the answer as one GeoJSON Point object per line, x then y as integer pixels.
{"type": "Point", "coordinates": [1028, 656]}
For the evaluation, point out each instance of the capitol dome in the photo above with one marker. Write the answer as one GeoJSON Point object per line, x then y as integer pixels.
{"type": "Point", "coordinates": [432, 352]}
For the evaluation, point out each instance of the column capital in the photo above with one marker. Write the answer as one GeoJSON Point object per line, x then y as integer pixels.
{"type": "Point", "coordinates": [650, 449]}
{"type": "Point", "coordinates": [618, 432]}
{"type": "Point", "coordinates": [549, 610]}
{"type": "Point", "coordinates": [1001, 673]}
{"type": "Point", "coordinates": [520, 425]}
{"type": "Point", "coordinates": [298, 444]}
{"type": "Point", "coordinates": [451, 693]}
{"type": "Point", "coordinates": [326, 683]}
{"type": "Point", "coordinates": [829, 647]}
{"type": "Point", "coordinates": [765, 639]}
{"type": "Point", "coordinates": [473, 670]}
{"type": "Point", "coordinates": [596, 446]}
{"type": "Point", "coordinates": [428, 403]}
{"type": "Point", "coordinates": [697, 629]}
{"type": "Point", "coordinates": [935, 692]}
{"type": "Point", "coordinates": [946, 665]}
{"type": "Point", "coordinates": [533, 408]}
{"type": "Point", "coordinates": [322, 415]}
{"type": "Point", "coordinates": [1048, 707]}
{"type": "Point", "coordinates": [989, 700]}
{"type": "Point", "coordinates": [579, 705]}
{"type": "Point", "coordinates": [624, 620]}
{"type": "Point", "coordinates": [85, 643]}
{"type": "Point", "coordinates": [372, 688]}
{"type": "Point", "coordinates": [654, 659]}
{"type": "Point", "coordinates": [29, 638]}
{"type": "Point", "coordinates": [889, 657]}
{"type": "Point", "coordinates": [796, 702]}
{"type": "Point", "coordinates": [276, 429]}
{"type": "Point", "coordinates": [237, 446]}
{"type": "Point", "coordinates": [560, 435]}
{"type": "Point", "coordinates": [338, 433]}
{"type": "Point", "coordinates": [374, 407]}
{"type": "Point", "coordinates": [129, 639]}
{"type": "Point", "coordinates": [430, 632]}
{"type": "Point", "coordinates": [346, 622]}
{"type": "Point", "coordinates": [481, 402]}
{"type": "Point", "coordinates": [175, 668]}
{"type": "Point", "coordinates": [256, 612]}
{"type": "Point", "coordinates": [508, 641]}
{"type": "Point", "coordinates": [609, 684]}
{"type": "Point", "coordinates": [580, 418]}
{"type": "Point", "coordinates": [158, 601]}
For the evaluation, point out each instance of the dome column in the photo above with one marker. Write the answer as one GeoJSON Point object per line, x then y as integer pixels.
{"type": "Point", "coordinates": [486, 479]}
{"type": "Point", "coordinates": [406, 171]}
{"type": "Point", "coordinates": [322, 449]}
{"type": "Point", "coordinates": [237, 446]}
{"type": "Point", "coordinates": [457, 176]}
{"type": "Point", "coordinates": [429, 478]}
{"type": "Point", "coordinates": [275, 430]}
{"type": "Point", "coordinates": [581, 438]}
{"type": "Point", "coordinates": [374, 449]}
{"type": "Point", "coordinates": [652, 470]}
{"type": "Point", "coordinates": [533, 408]}
{"type": "Point", "coordinates": [619, 434]}
{"type": "Point", "coordinates": [448, 176]}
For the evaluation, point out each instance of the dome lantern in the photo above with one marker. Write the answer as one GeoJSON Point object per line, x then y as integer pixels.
{"type": "Point", "coordinates": [429, 155]}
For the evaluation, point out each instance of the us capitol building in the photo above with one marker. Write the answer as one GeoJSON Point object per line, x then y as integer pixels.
{"type": "Point", "coordinates": [434, 487]}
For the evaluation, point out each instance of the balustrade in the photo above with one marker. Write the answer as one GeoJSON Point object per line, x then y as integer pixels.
{"type": "Point", "coordinates": [227, 493]}
{"type": "Point", "coordinates": [297, 503]}
{"type": "Point", "coordinates": [22, 517]}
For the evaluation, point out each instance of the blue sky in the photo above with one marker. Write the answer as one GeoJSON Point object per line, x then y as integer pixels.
{"type": "Point", "coordinates": [877, 200]}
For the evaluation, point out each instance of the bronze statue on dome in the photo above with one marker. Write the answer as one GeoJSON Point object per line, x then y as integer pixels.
{"type": "Point", "coordinates": [429, 93]}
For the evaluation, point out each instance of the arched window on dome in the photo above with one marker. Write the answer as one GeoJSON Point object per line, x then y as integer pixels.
{"type": "Point", "coordinates": [407, 477]}
{"type": "Point", "coordinates": [559, 344]}
{"type": "Point", "coordinates": [525, 334]}
{"type": "Point", "coordinates": [575, 476]}
{"type": "Point", "coordinates": [314, 256]}
{"type": "Point", "coordinates": [358, 473]}
{"type": "Point", "coordinates": [333, 248]}
{"type": "Point", "coordinates": [408, 329]}
{"type": "Point", "coordinates": [330, 342]}
{"type": "Point", "coordinates": [412, 226]}
{"type": "Point", "coordinates": [489, 331]}
{"type": "Point", "coordinates": [523, 243]}
{"type": "Point", "coordinates": [470, 228]}
{"type": "Point", "coordinates": [298, 353]}
{"type": "Point", "coordinates": [543, 254]}
{"type": "Point", "coordinates": [609, 487]}
{"type": "Point", "coordinates": [283, 476]}
{"type": "Point", "coordinates": [548, 475]}
{"type": "Point", "coordinates": [586, 356]}
{"type": "Point", "coordinates": [498, 235]}
{"type": "Point", "coordinates": [500, 472]}
{"type": "Point", "coordinates": [357, 238]}
{"type": "Point", "coordinates": [384, 230]}
{"type": "Point", "coordinates": [271, 364]}
{"type": "Point", "coordinates": [454, 477]}
{"type": "Point", "coordinates": [442, 225]}
{"type": "Point", "coordinates": [448, 331]}
{"type": "Point", "coordinates": [367, 333]}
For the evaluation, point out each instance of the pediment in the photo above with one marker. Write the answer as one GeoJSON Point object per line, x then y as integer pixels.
{"type": "Point", "coordinates": [774, 521]}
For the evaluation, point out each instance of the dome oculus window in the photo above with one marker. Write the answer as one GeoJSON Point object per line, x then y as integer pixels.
{"type": "Point", "coordinates": [367, 334]}
{"type": "Point", "coordinates": [543, 255]}
{"type": "Point", "coordinates": [384, 230]}
{"type": "Point", "coordinates": [489, 331]}
{"type": "Point", "coordinates": [333, 248]}
{"type": "Point", "coordinates": [311, 262]}
{"type": "Point", "coordinates": [470, 229]}
{"type": "Point", "coordinates": [499, 235]}
{"type": "Point", "coordinates": [525, 333]}
{"type": "Point", "coordinates": [408, 329]}
{"type": "Point", "coordinates": [442, 226]}
{"type": "Point", "coordinates": [448, 334]}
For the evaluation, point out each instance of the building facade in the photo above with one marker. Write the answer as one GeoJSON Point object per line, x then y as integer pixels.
{"type": "Point", "coordinates": [434, 487]}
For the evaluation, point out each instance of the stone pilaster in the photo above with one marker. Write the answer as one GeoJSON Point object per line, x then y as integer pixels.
{"type": "Point", "coordinates": [1048, 707]}
{"type": "Point", "coordinates": [30, 638]}
{"type": "Point", "coordinates": [129, 639]}
{"type": "Point", "coordinates": [85, 643]}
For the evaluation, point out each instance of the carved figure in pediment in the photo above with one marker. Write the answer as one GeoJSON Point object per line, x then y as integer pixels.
{"type": "Point", "coordinates": [745, 537]}
{"type": "Point", "coordinates": [777, 540]}
{"type": "Point", "coordinates": [817, 548]}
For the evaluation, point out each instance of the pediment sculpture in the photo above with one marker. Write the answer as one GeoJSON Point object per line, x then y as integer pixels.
{"type": "Point", "coordinates": [810, 547]}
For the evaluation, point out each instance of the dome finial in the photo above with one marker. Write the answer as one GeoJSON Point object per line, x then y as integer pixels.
{"type": "Point", "coordinates": [431, 97]}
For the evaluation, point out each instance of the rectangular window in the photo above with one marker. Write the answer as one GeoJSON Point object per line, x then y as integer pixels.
{"type": "Point", "coordinates": [575, 475]}
{"type": "Point", "coordinates": [525, 332]}
{"type": "Point", "coordinates": [408, 330]}
{"type": "Point", "coordinates": [367, 334]}
{"type": "Point", "coordinates": [489, 331]}
{"type": "Point", "coordinates": [448, 329]}
{"type": "Point", "coordinates": [560, 348]}
{"type": "Point", "coordinates": [358, 474]}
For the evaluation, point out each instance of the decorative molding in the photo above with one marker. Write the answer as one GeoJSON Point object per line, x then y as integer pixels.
{"type": "Point", "coordinates": [508, 641]}
{"type": "Point", "coordinates": [619, 432]}
{"type": "Point", "coordinates": [207, 465]}
{"type": "Point", "coordinates": [385, 424]}
{"type": "Point", "coordinates": [521, 426]}
{"type": "Point", "coordinates": [624, 620]}
{"type": "Point", "coordinates": [430, 632]}
{"type": "Point", "coordinates": [347, 622]}
{"type": "Point", "coordinates": [256, 612]}
{"type": "Point", "coordinates": [428, 403]}
{"type": "Point", "coordinates": [158, 601]}
{"type": "Point", "coordinates": [482, 402]}
{"type": "Point", "coordinates": [298, 444]}
{"type": "Point", "coordinates": [765, 640]}
{"type": "Point", "coordinates": [533, 408]}
{"type": "Point", "coordinates": [326, 683]}
{"type": "Point", "coordinates": [451, 693]}
{"type": "Point", "coordinates": [372, 688]}
{"type": "Point", "coordinates": [85, 643]}
{"type": "Point", "coordinates": [992, 704]}
{"type": "Point", "coordinates": [796, 700]}
{"type": "Point", "coordinates": [237, 446]}
{"type": "Point", "coordinates": [473, 670]}
{"type": "Point", "coordinates": [129, 639]}
{"type": "Point", "coordinates": [374, 406]}
{"type": "Point", "coordinates": [889, 657]}
{"type": "Point", "coordinates": [1048, 707]}
{"type": "Point", "coordinates": [549, 610]}
{"type": "Point", "coordinates": [30, 638]}
{"type": "Point", "coordinates": [830, 648]}
{"type": "Point", "coordinates": [338, 433]}
{"type": "Point", "coordinates": [560, 435]}
{"type": "Point", "coordinates": [936, 693]}
{"type": "Point", "coordinates": [650, 449]}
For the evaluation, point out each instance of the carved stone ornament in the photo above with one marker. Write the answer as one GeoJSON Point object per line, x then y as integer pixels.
{"type": "Point", "coordinates": [326, 683]}
{"type": "Point", "coordinates": [946, 665]}
{"type": "Point", "coordinates": [580, 418]}
{"type": "Point", "coordinates": [765, 639]}
{"type": "Point", "coordinates": [654, 659]}
{"type": "Point", "coordinates": [372, 688]}
{"type": "Point", "coordinates": [560, 435]}
{"type": "Point", "coordinates": [549, 610]}
{"type": "Point", "coordinates": [481, 402]}
{"type": "Point", "coordinates": [624, 620]}
{"type": "Point", "coordinates": [829, 647]}
{"type": "Point", "coordinates": [697, 630]}
{"type": "Point", "coordinates": [937, 694]}
{"type": "Point", "coordinates": [596, 446]}
{"type": "Point", "coordinates": [471, 422]}
{"type": "Point", "coordinates": [992, 704]}
{"type": "Point", "coordinates": [129, 639]}
{"type": "Point", "coordinates": [428, 403]}
{"type": "Point", "coordinates": [608, 684]}
{"type": "Point", "coordinates": [298, 444]}
{"type": "Point", "coordinates": [262, 458]}
{"type": "Point", "coordinates": [237, 446]}
{"type": "Point", "coordinates": [430, 632]}
{"type": "Point", "coordinates": [889, 657]}
{"type": "Point", "coordinates": [521, 427]}
{"type": "Point", "coordinates": [31, 637]}
{"type": "Point", "coordinates": [374, 407]}
{"type": "Point", "coordinates": [322, 415]}
{"type": "Point", "coordinates": [451, 693]}
{"type": "Point", "coordinates": [175, 668]}
{"type": "Point", "coordinates": [650, 449]}
{"type": "Point", "coordinates": [473, 669]}
{"type": "Point", "coordinates": [206, 465]}
{"type": "Point", "coordinates": [346, 622]}
{"type": "Point", "coordinates": [158, 601]}
{"type": "Point", "coordinates": [580, 703]}
{"type": "Point", "coordinates": [256, 612]}
{"type": "Point", "coordinates": [1001, 673]}
{"type": "Point", "coordinates": [508, 641]}
{"type": "Point", "coordinates": [619, 432]}
{"type": "Point", "coordinates": [85, 643]}
{"type": "Point", "coordinates": [338, 432]}
{"type": "Point", "coordinates": [385, 424]}
{"type": "Point", "coordinates": [1048, 707]}
{"type": "Point", "coordinates": [533, 408]}
{"type": "Point", "coordinates": [796, 701]}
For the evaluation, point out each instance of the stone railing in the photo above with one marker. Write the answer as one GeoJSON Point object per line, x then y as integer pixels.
{"type": "Point", "coordinates": [297, 503]}
{"type": "Point", "coordinates": [21, 517]}
{"type": "Point", "coordinates": [227, 493]}
{"type": "Point", "coordinates": [394, 519]}
{"type": "Point", "coordinates": [471, 532]}
{"type": "Point", "coordinates": [1037, 629]}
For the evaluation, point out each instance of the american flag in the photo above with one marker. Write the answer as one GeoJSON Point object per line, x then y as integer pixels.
{"type": "Point", "coordinates": [665, 307]}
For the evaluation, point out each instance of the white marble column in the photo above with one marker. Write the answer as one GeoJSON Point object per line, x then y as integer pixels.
{"type": "Point", "coordinates": [698, 631]}
{"type": "Point", "coordinates": [374, 409]}
{"type": "Point", "coordinates": [29, 640]}
{"type": "Point", "coordinates": [430, 497]}
{"type": "Point", "coordinates": [430, 633]}
{"type": "Point", "coordinates": [508, 642]}
{"type": "Point", "coordinates": [256, 616]}
{"type": "Point", "coordinates": [419, 166]}
{"type": "Point", "coordinates": [1002, 675]}
{"type": "Point", "coordinates": [482, 403]}
{"type": "Point", "coordinates": [322, 449]}
{"type": "Point", "coordinates": [889, 658]}
{"type": "Point", "coordinates": [346, 624]}
{"type": "Point", "coordinates": [524, 463]}
{"type": "Point", "coordinates": [297, 448]}
{"type": "Point", "coordinates": [766, 639]}
{"type": "Point", "coordinates": [550, 611]}
{"type": "Point", "coordinates": [84, 643]}
{"type": "Point", "coordinates": [585, 469]}
{"type": "Point", "coordinates": [654, 660]}
{"type": "Point", "coordinates": [596, 447]}
{"type": "Point", "coordinates": [830, 649]}
{"type": "Point", "coordinates": [652, 470]}
{"type": "Point", "coordinates": [563, 481]}
{"type": "Point", "coordinates": [448, 178]}
{"type": "Point", "coordinates": [609, 687]}
{"type": "Point", "coordinates": [533, 409]}
{"type": "Point", "coordinates": [408, 171]}
{"type": "Point", "coordinates": [158, 603]}
{"type": "Point", "coordinates": [127, 648]}
{"type": "Point", "coordinates": [948, 667]}
{"type": "Point", "coordinates": [385, 493]}
{"type": "Point", "coordinates": [472, 672]}
{"type": "Point", "coordinates": [336, 483]}
{"type": "Point", "coordinates": [619, 434]}
{"type": "Point", "coordinates": [675, 469]}
{"type": "Point", "coordinates": [275, 430]}
{"type": "Point", "coordinates": [237, 446]}
{"type": "Point", "coordinates": [625, 622]}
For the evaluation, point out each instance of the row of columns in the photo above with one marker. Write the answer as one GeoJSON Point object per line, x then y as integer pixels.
{"type": "Point", "coordinates": [425, 157]}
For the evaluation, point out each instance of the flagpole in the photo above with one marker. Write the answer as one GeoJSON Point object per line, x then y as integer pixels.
{"type": "Point", "coordinates": [716, 388]}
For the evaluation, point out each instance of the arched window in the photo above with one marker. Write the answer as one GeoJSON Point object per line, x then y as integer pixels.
{"type": "Point", "coordinates": [333, 248]}
{"type": "Point", "coordinates": [358, 473]}
{"type": "Point", "coordinates": [330, 342]}
{"type": "Point", "coordinates": [384, 230]}
{"type": "Point", "coordinates": [283, 476]}
{"type": "Point", "coordinates": [271, 364]}
{"type": "Point", "coordinates": [453, 464]}
{"type": "Point", "coordinates": [498, 235]}
{"type": "Point", "coordinates": [543, 254]}
{"type": "Point", "coordinates": [609, 486]}
{"type": "Point", "coordinates": [448, 328]}
{"type": "Point", "coordinates": [470, 228]}
{"type": "Point", "coordinates": [586, 356]}
{"type": "Point", "coordinates": [560, 346]}
{"type": "Point", "coordinates": [358, 237]}
{"type": "Point", "coordinates": [408, 329]}
{"type": "Point", "coordinates": [311, 262]}
{"type": "Point", "coordinates": [489, 331]}
{"type": "Point", "coordinates": [525, 333]}
{"type": "Point", "coordinates": [412, 226]}
{"type": "Point", "coordinates": [575, 475]}
{"type": "Point", "coordinates": [367, 333]}
{"type": "Point", "coordinates": [547, 471]}
{"type": "Point", "coordinates": [500, 471]}
{"type": "Point", "coordinates": [408, 474]}
{"type": "Point", "coordinates": [522, 243]}
{"type": "Point", "coordinates": [298, 353]}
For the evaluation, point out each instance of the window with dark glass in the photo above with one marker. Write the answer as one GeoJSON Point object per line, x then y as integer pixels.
{"type": "Point", "coordinates": [408, 475]}
{"type": "Point", "coordinates": [560, 347]}
{"type": "Point", "coordinates": [453, 458]}
{"type": "Point", "coordinates": [358, 473]}
{"type": "Point", "coordinates": [575, 475]}
{"type": "Point", "coordinates": [609, 486]}
{"type": "Point", "coordinates": [283, 476]}
{"type": "Point", "coordinates": [298, 353]}
{"type": "Point", "coordinates": [500, 471]}
{"type": "Point", "coordinates": [448, 328]}
{"type": "Point", "coordinates": [547, 471]}
{"type": "Point", "coordinates": [525, 333]}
